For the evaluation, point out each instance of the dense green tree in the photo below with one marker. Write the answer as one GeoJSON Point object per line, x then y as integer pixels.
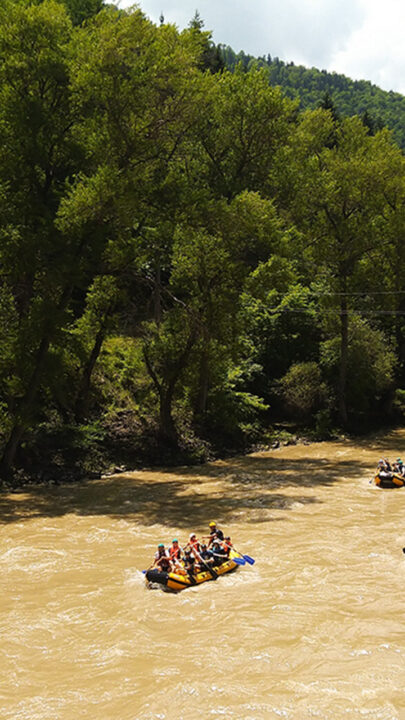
{"type": "Point", "coordinates": [244, 122]}
{"type": "Point", "coordinates": [303, 389]}
{"type": "Point", "coordinates": [38, 153]}
{"type": "Point", "coordinates": [339, 198]}
{"type": "Point", "coordinates": [130, 93]}
{"type": "Point", "coordinates": [82, 10]}
{"type": "Point", "coordinates": [143, 101]}
{"type": "Point", "coordinates": [371, 365]}
{"type": "Point", "coordinates": [386, 265]}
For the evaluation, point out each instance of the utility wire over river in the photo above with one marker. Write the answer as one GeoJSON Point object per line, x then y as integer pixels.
{"type": "Point", "coordinates": [313, 630]}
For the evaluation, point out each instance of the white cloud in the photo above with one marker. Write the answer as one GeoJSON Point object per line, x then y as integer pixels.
{"type": "Point", "coordinates": [376, 51]}
{"type": "Point", "coordinates": [361, 38]}
{"type": "Point", "coordinates": [289, 29]}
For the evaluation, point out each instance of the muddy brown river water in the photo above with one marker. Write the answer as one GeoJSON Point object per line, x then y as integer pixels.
{"type": "Point", "coordinates": [314, 629]}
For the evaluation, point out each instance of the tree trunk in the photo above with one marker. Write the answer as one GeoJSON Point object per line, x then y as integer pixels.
{"type": "Point", "coordinates": [24, 406]}
{"type": "Point", "coordinates": [167, 428]}
{"type": "Point", "coordinates": [399, 334]}
{"type": "Point", "coordinates": [83, 396]}
{"type": "Point", "coordinates": [166, 388]}
{"type": "Point", "coordinates": [344, 349]}
{"type": "Point", "coordinates": [203, 385]}
{"type": "Point", "coordinates": [10, 450]}
{"type": "Point", "coordinates": [23, 411]}
{"type": "Point", "coordinates": [157, 299]}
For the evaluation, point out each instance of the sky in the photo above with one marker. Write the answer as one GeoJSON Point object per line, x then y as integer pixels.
{"type": "Point", "coordinates": [363, 39]}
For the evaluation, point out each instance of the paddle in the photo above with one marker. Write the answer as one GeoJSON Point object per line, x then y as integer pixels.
{"type": "Point", "coordinates": [156, 564]}
{"type": "Point", "coordinates": [211, 570]}
{"type": "Point", "coordinates": [237, 560]}
{"type": "Point", "coordinates": [145, 571]}
{"type": "Point", "coordinates": [225, 558]}
{"type": "Point", "coordinates": [248, 559]}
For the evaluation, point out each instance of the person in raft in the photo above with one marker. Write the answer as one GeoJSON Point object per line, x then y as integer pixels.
{"type": "Point", "coordinates": [162, 559]}
{"type": "Point", "coordinates": [194, 544]}
{"type": "Point", "coordinates": [176, 554]}
{"type": "Point", "coordinates": [215, 533]}
{"type": "Point", "coordinates": [175, 551]}
{"type": "Point", "coordinates": [206, 560]}
{"type": "Point", "coordinates": [227, 546]}
{"type": "Point", "coordinates": [383, 468]}
{"type": "Point", "coordinates": [189, 563]}
{"type": "Point", "coordinates": [399, 468]}
{"type": "Point", "coordinates": [218, 552]}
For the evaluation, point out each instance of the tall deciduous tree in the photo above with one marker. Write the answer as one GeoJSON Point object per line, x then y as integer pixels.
{"type": "Point", "coordinates": [105, 111]}
{"type": "Point", "coordinates": [339, 198]}
{"type": "Point", "coordinates": [38, 154]}
{"type": "Point", "coordinates": [244, 123]}
{"type": "Point", "coordinates": [138, 89]}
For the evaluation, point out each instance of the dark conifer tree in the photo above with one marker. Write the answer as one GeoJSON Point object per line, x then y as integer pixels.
{"type": "Point", "coordinates": [372, 124]}
{"type": "Point", "coordinates": [327, 104]}
{"type": "Point", "coordinates": [82, 10]}
{"type": "Point", "coordinates": [212, 57]}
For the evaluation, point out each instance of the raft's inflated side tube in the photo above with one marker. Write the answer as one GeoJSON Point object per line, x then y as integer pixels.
{"type": "Point", "coordinates": [389, 480]}
{"type": "Point", "coordinates": [173, 581]}
{"type": "Point", "coordinates": [157, 576]}
{"type": "Point", "coordinates": [176, 581]}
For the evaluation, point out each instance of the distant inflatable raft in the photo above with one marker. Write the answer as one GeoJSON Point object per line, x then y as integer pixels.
{"type": "Point", "coordinates": [176, 581]}
{"type": "Point", "coordinates": [389, 480]}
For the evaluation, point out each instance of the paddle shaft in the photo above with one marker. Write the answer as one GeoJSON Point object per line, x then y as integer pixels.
{"type": "Point", "coordinates": [212, 572]}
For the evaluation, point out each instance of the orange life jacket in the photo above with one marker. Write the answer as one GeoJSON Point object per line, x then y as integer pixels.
{"type": "Point", "coordinates": [195, 545]}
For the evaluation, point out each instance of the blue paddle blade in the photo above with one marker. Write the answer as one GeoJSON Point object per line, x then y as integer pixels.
{"type": "Point", "coordinates": [250, 560]}
{"type": "Point", "coordinates": [239, 561]}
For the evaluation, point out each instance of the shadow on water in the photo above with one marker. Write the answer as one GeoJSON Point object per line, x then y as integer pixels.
{"type": "Point", "coordinates": [185, 496]}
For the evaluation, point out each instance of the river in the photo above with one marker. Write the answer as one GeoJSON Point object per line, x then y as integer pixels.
{"type": "Point", "coordinates": [314, 629]}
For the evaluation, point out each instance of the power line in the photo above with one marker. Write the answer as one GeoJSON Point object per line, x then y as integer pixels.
{"type": "Point", "coordinates": [336, 311]}
{"type": "Point", "coordinates": [365, 294]}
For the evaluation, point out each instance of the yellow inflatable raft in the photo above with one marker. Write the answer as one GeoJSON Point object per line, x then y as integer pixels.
{"type": "Point", "coordinates": [389, 480]}
{"type": "Point", "coordinates": [177, 581]}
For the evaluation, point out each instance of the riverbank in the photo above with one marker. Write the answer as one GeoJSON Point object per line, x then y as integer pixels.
{"type": "Point", "coordinates": [78, 453]}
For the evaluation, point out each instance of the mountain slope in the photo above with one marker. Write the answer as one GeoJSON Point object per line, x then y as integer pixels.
{"type": "Point", "coordinates": [378, 107]}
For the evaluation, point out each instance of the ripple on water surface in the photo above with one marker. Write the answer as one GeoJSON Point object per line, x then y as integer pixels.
{"type": "Point", "coordinates": [312, 630]}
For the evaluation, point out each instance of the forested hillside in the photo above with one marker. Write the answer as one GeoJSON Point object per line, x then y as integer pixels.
{"type": "Point", "coordinates": [309, 85]}
{"type": "Point", "coordinates": [185, 258]}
